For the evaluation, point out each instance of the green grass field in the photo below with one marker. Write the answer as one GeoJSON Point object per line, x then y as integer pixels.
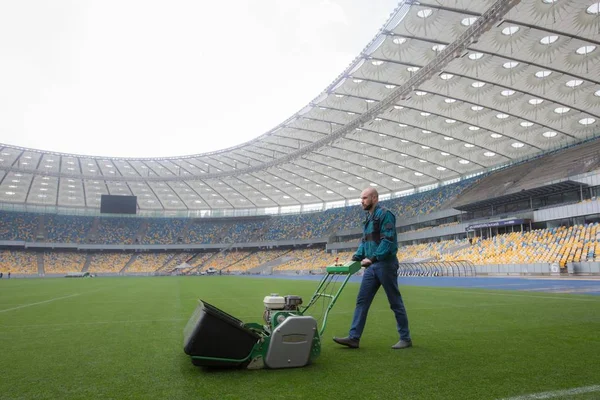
{"type": "Point", "coordinates": [121, 338]}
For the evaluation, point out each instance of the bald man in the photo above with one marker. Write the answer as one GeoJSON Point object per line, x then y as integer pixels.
{"type": "Point", "coordinates": [377, 254]}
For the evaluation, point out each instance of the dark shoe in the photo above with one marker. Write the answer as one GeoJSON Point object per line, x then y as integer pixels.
{"type": "Point", "coordinates": [347, 341]}
{"type": "Point", "coordinates": [402, 344]}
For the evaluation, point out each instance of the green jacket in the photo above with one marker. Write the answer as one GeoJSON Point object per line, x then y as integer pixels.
{"type": "Point", "coordinates": [382, 245]}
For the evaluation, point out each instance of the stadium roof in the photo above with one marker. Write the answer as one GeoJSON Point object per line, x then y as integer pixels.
{"type": "Point", "coordinates": [446, 89]}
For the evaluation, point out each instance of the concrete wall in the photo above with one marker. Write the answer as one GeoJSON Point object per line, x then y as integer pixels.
{"type": "Point", "coordinates": [572, 210]}
{"type": "Point", "coordinates": [517, 269]}
{"type": "Point", "coordinates": [584, 268]}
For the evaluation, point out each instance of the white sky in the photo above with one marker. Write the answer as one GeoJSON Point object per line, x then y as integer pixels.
{"type": "Point", "coordinates": [147, 78]}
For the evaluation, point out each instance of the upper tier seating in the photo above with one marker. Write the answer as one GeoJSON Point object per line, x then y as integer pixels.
{"type": "Point", "coordinates": [67, 228]}
{"type": "Point", "coordinates": [117, 230]}
{"type": "Point", "coordinates": [121, 230]}
{"type": "Point", "coordinates": [18, 225]}
{"type": "Point", "coordinates": [164, 230]}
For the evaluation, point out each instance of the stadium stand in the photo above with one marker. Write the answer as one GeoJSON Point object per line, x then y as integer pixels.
{"type": "Point", "coordinates": [105, 230]}
{"type": "Point", "coordinates": [327, 259]}
{"type": "Point", "coordinates": [108, 262]}
{"type": "Point", "coordinates": [18, 225]}
{"type": "Point", "coordinates": [18, 262]}
{"type": "Point", "coordinates": [409, 206]}
{"type": "Point", "coordinates": [312, 259]}
{"type": "Point", "coordinates": [431, 250]}
{"type": "Point", "coordinates": [301, 259]}
{"type": "Point", "coordinates": [322, 224]}
{"type": "Point", "coordinates": [246, 231]}
{"type": "Point", "coordinates": [556, 245]}
{"type": "Point", "coordinates": [256, 259]}
{"type": "Point", "coordinates": [60, 262]}
{"type": "Point", "coordinates": [117, 230]}
{"type": "Point", "coordinates": [164, 230]}
{"type": "Point", "coordinates": [199, 259]}
{"type": "Point", "coordinates": [202, 231]}
{"type": "Point", "coordinates": [302, 226]}
{"type": "Point", "coordinates": [225, 259]}
{"type": "Point", "coordinates": [226, 231]}
{"type": "Point", "coordinates": [67, 228]}
{"type": "Point", "coordinates": [148, 262]}
{"type": "Point", "coordinates": [176, 259]}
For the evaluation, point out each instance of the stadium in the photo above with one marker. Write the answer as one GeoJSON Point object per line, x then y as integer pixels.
{"type": "Point", "coordinates": [478, 124]}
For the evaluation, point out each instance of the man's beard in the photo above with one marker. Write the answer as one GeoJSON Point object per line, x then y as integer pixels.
{"type": "Point", "coordinates": [368, 208]}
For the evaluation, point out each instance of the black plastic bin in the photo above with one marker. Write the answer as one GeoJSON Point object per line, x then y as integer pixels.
{"type": "Point", "coordinates": [211, 332]}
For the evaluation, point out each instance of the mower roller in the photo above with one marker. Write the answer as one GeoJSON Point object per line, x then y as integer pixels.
{"type": "Point", "coordinates": [289, 338]}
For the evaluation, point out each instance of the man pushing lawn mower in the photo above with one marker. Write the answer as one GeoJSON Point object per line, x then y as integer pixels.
{"type": "Point", "coordinates": [290, 337]}
{"type": "Point", "coordinates": [377, 253]}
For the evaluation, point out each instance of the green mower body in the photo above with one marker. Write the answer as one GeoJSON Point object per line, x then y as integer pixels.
{"type": "Point", "coordinates": [291, 338]}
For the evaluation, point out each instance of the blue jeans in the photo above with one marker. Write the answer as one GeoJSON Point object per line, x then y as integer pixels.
{"type": "Point", "coordinates": [382, 273]}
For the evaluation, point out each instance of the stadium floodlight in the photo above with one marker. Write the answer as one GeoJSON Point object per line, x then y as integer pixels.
{"type": "Point", "coordinates": [584, 50]}
{"type": "Point", "coordinates": [547, 40]}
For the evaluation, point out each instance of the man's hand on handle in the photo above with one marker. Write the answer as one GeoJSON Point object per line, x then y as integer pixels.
{"type": "Point", "coordinates": [366, 262]}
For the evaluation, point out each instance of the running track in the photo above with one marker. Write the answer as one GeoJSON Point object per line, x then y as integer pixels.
{"type": "Point", "coordinates": [545, 285]}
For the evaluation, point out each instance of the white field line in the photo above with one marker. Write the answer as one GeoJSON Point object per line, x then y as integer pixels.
{"type": "Point", "coordinates": [39, 302]}
{"type": "Point", "coordinates": [50, 300]}
{"type": "Point", "coordinates": [557, 393]}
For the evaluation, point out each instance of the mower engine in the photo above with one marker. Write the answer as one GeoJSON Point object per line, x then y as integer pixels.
{"type": "Point", "coordinates": [275, 303]}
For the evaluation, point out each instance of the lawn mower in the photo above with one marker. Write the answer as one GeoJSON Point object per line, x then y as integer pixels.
{"type": "Point", "coordinates": [289, 337]}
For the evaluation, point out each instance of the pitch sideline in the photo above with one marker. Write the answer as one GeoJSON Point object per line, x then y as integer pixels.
{"type": "Point", "coordinates": [557, 393]}
{"type": "Point", "coordinates": [39, 302]}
